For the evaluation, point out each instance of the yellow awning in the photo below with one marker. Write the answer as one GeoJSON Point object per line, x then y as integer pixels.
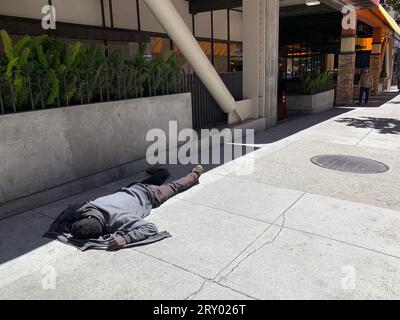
{"type": "Point", "coordinates": [388, 18]}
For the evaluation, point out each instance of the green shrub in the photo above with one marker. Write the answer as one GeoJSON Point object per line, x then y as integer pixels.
{"type": "Point", "coordinates": [313, 82]}
{"type": "Point", "coordinates": [74, 73]}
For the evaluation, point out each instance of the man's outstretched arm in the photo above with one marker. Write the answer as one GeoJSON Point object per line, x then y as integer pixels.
{"type": "Point", "coordinates": [135, 235]}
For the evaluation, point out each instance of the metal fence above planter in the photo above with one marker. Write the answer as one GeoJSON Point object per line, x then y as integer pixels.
{"type": "Point", "coordinates": [23, 92]}
{"type": "Point", "coordinates": [295, 87]}
{"type": "Point", "coordinates": [206, 111]}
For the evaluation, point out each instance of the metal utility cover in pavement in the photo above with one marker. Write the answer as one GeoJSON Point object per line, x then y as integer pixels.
{"type": "Point", "coordinates": [350, 164]}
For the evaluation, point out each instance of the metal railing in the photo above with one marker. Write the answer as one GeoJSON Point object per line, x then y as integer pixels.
{"type": "Point", "coordinates": [22, 92]}
{"type": "Point", "coordinates": [206, 111]}
{"type": "Point", "coordinates": [296, 87]}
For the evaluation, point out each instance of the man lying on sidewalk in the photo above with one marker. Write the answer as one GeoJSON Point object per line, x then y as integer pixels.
{"type": "Point", "coordinates": [117, 221]}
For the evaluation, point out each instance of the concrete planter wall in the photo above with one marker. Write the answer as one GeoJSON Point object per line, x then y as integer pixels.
{"type": "Point", "coordinates": [51, 154]}
{"type": "Point", "coordinates": [311, 103]}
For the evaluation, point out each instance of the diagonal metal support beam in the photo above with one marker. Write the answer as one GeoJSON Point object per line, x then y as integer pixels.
{"type": "Point", "coordinates": [175, 26]}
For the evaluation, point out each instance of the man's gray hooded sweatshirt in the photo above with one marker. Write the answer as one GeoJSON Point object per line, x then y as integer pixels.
{"type": "Point", "coordinates": [121, 213]}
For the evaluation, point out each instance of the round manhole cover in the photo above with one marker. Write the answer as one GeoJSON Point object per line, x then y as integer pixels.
{"type": "Point", "coordinates": [350, 164]}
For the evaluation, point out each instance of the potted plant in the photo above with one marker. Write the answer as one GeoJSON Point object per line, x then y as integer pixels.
{"type": "Point", "coordinates": [313, 93]}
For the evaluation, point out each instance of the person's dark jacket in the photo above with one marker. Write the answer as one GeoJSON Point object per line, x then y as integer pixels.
{"type": "Point", "coordinates": [122, 214]}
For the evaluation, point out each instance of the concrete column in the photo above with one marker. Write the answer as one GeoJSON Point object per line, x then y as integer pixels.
{"type": "Point", "coordinates": [375, 64]}
{"type": "Point", "coordinates": [388, 66]}
{"type": "Point", "coordinates": [260, 57]}
{"type": "Point", "coordinates": [375, 67]}
{"type": "Point", "coordinates": [391, 57]}
{"type": "Point", "coordinates": [346, 68]}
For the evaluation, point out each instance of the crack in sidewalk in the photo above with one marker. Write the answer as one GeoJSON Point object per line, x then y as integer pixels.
{"type": "Point", "coordinates": [283, 216]}
{"type": "Point", "coordinates": [197, 291]}
{"type": "Point", "coordinates": [218, 282]}
{"type": "Point", "coordinates": [192, 295]}
{"type": "Point", "coordinates": [243, 259]}
{"type": "Point", "coordinates": [365, 137]}
{"type": "Point", "coordinates": [257, 249]}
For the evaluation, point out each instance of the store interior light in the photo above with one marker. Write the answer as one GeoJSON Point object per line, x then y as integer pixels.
{"type": "Point", "coordinates": [312, 3]}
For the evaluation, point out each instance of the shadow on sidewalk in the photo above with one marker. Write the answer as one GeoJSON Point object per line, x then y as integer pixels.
{"type": "Point", "coordinates": [382, 125]}
{"type": "Point", "coordinates": [297, 124]}
{"type": "Point", "coordinates": [377, 101]}
{"type": "Point", "coordinates": [22, 234]}
{"type": "Point", "coordinates": [282, 130]}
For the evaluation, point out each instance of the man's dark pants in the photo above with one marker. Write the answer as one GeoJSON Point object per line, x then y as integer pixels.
{"type": "Point", "coordinates": [366, 91]}
{"type": "Point", "coordinates": [158, 191]}
{"type": "Point", "coordinates": [161, 192]}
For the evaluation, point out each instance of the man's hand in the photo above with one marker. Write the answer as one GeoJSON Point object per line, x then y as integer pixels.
{"type": "Point", "coordinates": [117, 243]}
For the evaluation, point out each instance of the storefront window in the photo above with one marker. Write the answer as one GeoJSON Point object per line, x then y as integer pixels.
{"type": "Point", "coordinates": [289, 68]}
{"type": "Point", "coordinates": [363, 53]}
{"type": "Point", "coordinates": [296, 68]}
{"type": "Point", "coordinates": [223, 62]}
{"type": "Point", "coordinates": [236, 57]}
{"type": "Point", "coordinates": [221, 57]}
{"type": "Point", "coordinates": [160, 46]}
{"type": "Point", "coordinates": [206, 46]}
{"type": "Point", "coordinates": [182, 61]}
{"type": "Point", "coordinates": [363, 44]}
{"type": "Point", "coordinates": [298, 60]}
{"type": "Point", "coordinates": [220, 50]}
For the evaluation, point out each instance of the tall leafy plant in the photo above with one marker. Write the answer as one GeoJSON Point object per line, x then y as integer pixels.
{"type": "Point", "coordinates": [141, 66]}
{"type": "Point", "coordinates": [91, 65]}
{"type": "Point", "coordinates": [64, 73]}
{"type": "Point", "coordinates": [57, 59]}
{"type": "Point", "coordinates": [314, 82]}
{"type": "Point", "coordinates": [165, 71]}
{"type": "Point", "coordinates": [16, 65]}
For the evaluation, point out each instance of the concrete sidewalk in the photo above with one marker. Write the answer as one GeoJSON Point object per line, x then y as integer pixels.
{"type": "Point", "coordinates": [287, 230]}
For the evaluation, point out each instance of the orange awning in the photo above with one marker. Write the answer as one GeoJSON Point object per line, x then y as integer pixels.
{"type": "Point", "coordinates": [385, 16]}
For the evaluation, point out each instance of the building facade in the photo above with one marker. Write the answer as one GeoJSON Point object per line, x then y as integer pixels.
{"type": "Point", "coordinates": [271, 41]}
{"type": "Point", "coordinates": [219, 32]}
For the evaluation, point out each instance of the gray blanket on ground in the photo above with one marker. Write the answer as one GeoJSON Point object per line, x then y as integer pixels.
{"type": "Point", "coordinates": [98, 244]}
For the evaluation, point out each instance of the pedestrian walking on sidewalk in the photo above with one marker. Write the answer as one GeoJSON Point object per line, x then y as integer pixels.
{"type": "Point", "coordinates": [365, 86]}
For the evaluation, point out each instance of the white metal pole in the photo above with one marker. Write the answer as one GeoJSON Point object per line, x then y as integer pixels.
{"type": "Point", "coordinates": [172, 22]}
